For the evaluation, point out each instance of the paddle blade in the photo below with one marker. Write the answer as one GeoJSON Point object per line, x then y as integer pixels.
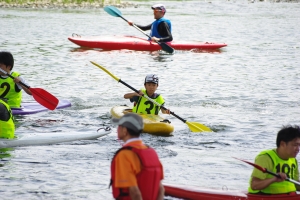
{"type": "Point", "coordinates": [254, 165]}
{"type": "Point", "coordinates": [44, 98]}
{"type": "Point", "coordinates": [166, 47]}
{"type": "Point", "coordinates": [113, 11]}
{"type": "Point", "coordinates": [116, 78]}
{"type": "Point", "coordinates": [197, 127]}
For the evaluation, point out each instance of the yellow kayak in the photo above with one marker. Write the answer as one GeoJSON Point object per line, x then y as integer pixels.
{"type": "Point", "coordinates": [153, 124]}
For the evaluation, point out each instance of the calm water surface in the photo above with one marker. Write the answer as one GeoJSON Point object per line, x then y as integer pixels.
{"type": "Point", "coordinates": [245, 93]}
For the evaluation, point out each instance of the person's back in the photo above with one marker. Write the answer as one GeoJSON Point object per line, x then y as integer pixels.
{"type": "Point", "coordinates": [7, 127]}
{"type": "Point", "coordinates": [282, 161]}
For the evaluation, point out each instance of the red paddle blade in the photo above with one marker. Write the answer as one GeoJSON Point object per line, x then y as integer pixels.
{"type": "Point", "coordinates": [254, 165]}
{"type": "Point", "coordinates": [44, 98]}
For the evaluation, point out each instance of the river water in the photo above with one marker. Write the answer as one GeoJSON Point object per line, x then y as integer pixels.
{"type": "Point", "coordinates": [246, 92]}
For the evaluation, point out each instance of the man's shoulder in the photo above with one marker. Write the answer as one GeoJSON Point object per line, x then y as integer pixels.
{"type": "Point", "coordinates": [264, 160]}
{"type": "Point", "coordinates": [14, 73]}
{"type": "Point", "coordinates": [124, 152]}
{"type": "Point", "coordinates": [128, 153]}
{"type": "Point", "coordinates": [164, 23]}
{"type": "Point", "coordinates": [263, 157]}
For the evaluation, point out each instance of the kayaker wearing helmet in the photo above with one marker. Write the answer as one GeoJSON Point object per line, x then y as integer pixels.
{"type": "Point", "coordinates": [7, 126]}
{"type": "Point", "coordinates": [143, 105]}
{"type": "Point", "coordinates": [282, 161]}
{"type": "Point", "coordinates": [136, 171]}
{"type": "Point", "coordinates": [161, 28]}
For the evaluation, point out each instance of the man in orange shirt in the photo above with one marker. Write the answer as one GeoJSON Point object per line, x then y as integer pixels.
{"type": "Point", "coordinates": [136, 171]}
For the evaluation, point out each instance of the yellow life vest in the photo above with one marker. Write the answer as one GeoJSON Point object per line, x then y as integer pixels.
{"type": "Point", "coordinates": [288, 167]}
{"type": "Point", "coordinates": [144, 106]}
{"type": "Point", "coordinates": [7, 127]}
{"type": "Point", "coordinates": [10, 91]}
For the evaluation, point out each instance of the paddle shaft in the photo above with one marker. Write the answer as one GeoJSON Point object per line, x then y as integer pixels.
{"type": "Point", "coordinates": [138, 28]}
{"type": "Point", "coordinates": [264, 170]}
{"type": "Point", "coordinates": [7, 74]}
{"type": "Point", "coordinates": [278, 176]}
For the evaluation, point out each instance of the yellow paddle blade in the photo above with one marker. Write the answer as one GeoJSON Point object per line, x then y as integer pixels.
{"type": "Point", "coordinates": [116, 78]}
{"type": "Point", "coordinates": [197, 127]}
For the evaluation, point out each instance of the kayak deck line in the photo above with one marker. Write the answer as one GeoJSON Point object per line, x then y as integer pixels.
{"type": "Point", "coordinates": [34, 107]}
{"type": "Point", "coordinates": [39, 139]}
{"type": "Point", "coordinates": [197, 193]}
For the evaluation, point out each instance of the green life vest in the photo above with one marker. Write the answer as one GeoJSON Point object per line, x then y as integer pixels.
{"type": "Point", "coordinates": [144, 106]}
{"type": "Point", "coordinates": [10, 91]}
{"type": "Point", "coordinates": [288, 167]}
{"type": "Point", "coordinates": [7, 128]}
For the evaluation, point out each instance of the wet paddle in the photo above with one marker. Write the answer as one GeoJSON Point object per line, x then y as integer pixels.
{"type": "Point", "coordinates": [194, 126]}
{"type": "Point", "coordinates": [264, 170]}
{"type": "Point", "coordinates": [40, 95]}
{"type": "Point", "coordinates": [117, 13]}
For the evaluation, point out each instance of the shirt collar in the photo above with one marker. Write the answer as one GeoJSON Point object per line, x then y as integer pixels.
{"type": "Point", "coordinates": [133, 140]}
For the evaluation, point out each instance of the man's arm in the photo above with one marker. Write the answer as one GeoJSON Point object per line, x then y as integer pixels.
{"type": "Point", "coordinates": [260, 184]}
{"type": "Point", "coordinates": [135, 193]}
{"type": "Point", "coordinates": [161, 192]}
{"type": "Point", "coordinates": [165, 32]}
{"type": "Point", "coordinates": [144, 28]}
{"type": "Point", "coordinates": [165, 111]}
{"type": "Point", "coordinates": [133, 94]}
{"type": "Point", "coordinates": [259, 178]}
{"type": "Point", "coordinates": [17, 80]}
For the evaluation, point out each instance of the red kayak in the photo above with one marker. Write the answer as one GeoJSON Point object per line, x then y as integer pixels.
{"type": "Point", "coordinates": [137, 44]}
{"type": "Point", "coordinates": [196, 193]}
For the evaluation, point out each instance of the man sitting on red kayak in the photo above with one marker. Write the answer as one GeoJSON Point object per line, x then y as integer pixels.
{"type": "Point", "coordinates": [282, 161]}
{"type": "Point", "coordinates": [161, 28]}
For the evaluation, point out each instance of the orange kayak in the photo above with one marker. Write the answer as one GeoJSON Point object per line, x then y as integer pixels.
{"type": "Point", "coordinates": [137, 44]}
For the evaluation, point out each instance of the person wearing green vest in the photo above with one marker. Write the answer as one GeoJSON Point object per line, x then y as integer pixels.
{"type": "Point", "coordinates": [143, 105]}
{"type": "Point", "coordinates": [9, 88]}
{"type": "Point", "coordinates": [7, 126]}
{"type": "Point", "coordinates": [282, 161]}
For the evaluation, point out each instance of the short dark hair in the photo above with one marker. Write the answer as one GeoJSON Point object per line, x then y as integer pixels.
{"type": "Point", "coordinates": [132, 132]}
{"type": "Point", "coordinates": [287, 134]}
{"type": "Point", "coordinates": [7, 59]}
